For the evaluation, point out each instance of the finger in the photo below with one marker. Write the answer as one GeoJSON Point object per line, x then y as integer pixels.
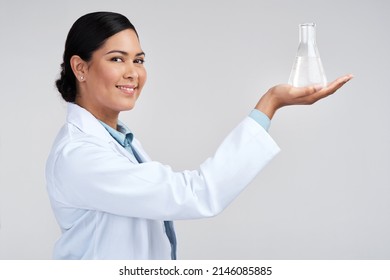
{"type": "Point", "coordinates": [336, 84]}
{"type": "Point", "coordinates": [319, 94]}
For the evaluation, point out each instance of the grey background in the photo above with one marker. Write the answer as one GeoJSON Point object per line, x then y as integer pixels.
{"type": "Point", "coordinates": [326, 196]}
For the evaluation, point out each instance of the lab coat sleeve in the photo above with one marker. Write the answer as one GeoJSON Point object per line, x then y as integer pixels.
{"type": "Point", "coordinates": [88, 174]}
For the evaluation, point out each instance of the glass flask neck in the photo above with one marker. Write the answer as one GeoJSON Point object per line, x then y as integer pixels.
{"type": "Point", "coordinates": [307, 40]}
{"type": "Point", "coordinates": [307, 33]}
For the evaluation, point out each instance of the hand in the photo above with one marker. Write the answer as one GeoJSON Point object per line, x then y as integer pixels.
{"type": "Point", "coordinates": [285, 95]}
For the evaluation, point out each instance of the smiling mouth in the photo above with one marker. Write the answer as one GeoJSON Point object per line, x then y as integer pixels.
{"type": "Point", "coordinates": [127, 89]}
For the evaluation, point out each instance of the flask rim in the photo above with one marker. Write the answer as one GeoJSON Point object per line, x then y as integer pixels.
{"type": "Point", "coordinates": [308, 24]}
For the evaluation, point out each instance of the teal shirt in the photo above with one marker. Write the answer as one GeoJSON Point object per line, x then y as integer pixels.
{"type": "Point", "coordinates": [261, 118]}
{"type": "Point", "coordinates": [123, 136]}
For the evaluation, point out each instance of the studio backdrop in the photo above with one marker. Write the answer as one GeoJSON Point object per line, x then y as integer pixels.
{"type": "Point", "coordinates": [325, 196]}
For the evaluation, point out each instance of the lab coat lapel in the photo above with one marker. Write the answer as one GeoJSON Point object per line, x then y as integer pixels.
{"type": "Point", "coordinates": [123, 151]}
{"type": "Point", "coordinates": [87, 123]}
{"type": "Point", "coordinates": [140, 151]}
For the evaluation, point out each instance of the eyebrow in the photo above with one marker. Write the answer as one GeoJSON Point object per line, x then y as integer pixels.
{"type": "Point", "coordinates": [125, 53]}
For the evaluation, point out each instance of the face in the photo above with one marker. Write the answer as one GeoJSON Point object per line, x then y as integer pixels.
{"type": "Point", "coordinates": [113, 79]}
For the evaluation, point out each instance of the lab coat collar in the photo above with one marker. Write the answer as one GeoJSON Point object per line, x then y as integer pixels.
{"type": "Point", "coordinates": [86, 122]}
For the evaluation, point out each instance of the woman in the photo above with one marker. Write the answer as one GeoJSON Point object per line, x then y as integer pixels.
{"type": "Point", "coordinates": [110, 200]}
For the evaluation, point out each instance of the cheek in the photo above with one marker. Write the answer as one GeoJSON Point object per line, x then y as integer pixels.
{"type": "Point", "coordinates": [142, 76]}
{"type": "Point", "coordinates": [107, 76]}
{"type": "Point", "coordinates": [111, 76]}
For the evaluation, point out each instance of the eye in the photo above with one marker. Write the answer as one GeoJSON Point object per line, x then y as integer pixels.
{"type": "Point", "coordinates": [139, 61]}
{"type": "Point", "coordinates": [117, 59]}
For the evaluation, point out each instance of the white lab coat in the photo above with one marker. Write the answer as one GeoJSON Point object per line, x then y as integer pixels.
{"type": "Point", "coordinates": [109, 206]}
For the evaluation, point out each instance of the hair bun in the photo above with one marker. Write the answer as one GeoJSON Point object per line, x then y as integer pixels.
{"type": "Point", "coordinates": [65, 87]}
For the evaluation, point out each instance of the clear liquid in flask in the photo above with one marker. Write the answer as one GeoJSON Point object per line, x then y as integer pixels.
{"type": "Point", "coordinates": [307, 71]}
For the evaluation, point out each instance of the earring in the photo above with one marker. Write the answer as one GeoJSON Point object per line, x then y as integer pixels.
{"type": "Point", "coordinates": [82, 78]}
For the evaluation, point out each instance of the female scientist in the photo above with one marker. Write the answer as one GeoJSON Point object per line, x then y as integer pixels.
{"type": "Point", "coordinates": [110, 199]}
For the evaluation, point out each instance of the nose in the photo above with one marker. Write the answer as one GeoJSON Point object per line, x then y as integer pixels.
{"type": "Point", "coordinates": [131, 72]}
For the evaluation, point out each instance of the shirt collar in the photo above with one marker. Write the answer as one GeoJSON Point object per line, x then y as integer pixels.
{"type": "Point", "coordinates": [122, 135]}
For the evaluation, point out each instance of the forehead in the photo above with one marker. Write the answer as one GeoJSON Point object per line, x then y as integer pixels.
{"type": "Point", "coordinates": [125, 40]}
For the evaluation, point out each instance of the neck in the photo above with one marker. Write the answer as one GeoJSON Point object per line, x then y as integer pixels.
{"type": "Point", "coordinates": [109, 121]}
{"type": "Point", "coordinates": [109, 118]}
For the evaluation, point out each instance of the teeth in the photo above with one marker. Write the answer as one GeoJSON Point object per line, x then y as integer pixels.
{"type": "Point", "coordinates": [128, 89]}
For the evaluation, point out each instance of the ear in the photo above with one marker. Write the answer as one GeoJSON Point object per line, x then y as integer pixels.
{"type": "Point", "coordinates": [79, 67]}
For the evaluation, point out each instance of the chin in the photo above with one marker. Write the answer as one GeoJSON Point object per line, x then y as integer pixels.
{"type": "Point", "coordinates": [128, 107]}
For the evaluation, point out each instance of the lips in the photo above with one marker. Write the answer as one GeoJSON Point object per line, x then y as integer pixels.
{"type": "Point", "coordinates": [128, 89]}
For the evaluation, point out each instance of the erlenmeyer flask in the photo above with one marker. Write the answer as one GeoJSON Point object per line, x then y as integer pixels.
{"type": "Point", "coordinates": [307, 68]}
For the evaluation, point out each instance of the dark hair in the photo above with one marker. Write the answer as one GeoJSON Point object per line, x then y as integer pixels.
{"type": "Point", "coordinates": [87, 35]}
